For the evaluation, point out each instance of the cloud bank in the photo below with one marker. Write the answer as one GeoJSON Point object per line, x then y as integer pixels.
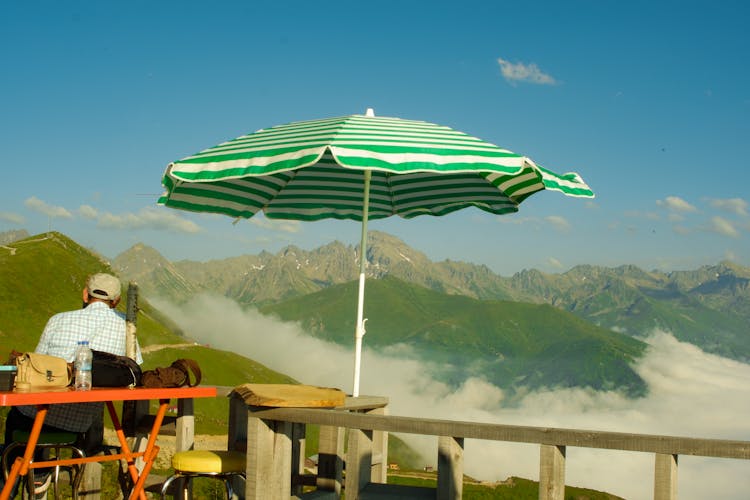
{"type": "Point", "coordinates": [691, 394]}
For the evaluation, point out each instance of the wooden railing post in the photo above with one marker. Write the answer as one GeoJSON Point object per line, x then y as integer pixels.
{"type": "Point", "coordinates": [330, 458]}
{"type": "Point", "coordinates": [185, 425]}
{"type": "Point", "coordinates": [269, 458]}
{"type": "Point", "coordinates": [552, 472]}
{"type": "Point", "coordinates": [379, 464]}
{"type": "Point", "coordinates": [450, 468]}
{"type": "Point", "coordinates": [665, 477]}
{"type": "Point", "coordinates": [358, 462]}
{"type": "Point", "coordinates": [297, 457]}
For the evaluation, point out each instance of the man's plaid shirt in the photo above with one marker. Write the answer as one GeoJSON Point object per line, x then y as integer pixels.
{"type": "Point", "coordinates": [104, 328]}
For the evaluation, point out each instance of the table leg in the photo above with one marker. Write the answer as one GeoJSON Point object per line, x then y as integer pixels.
{"type": "Point", "coordinates": [151, 449]}
{"type": "Point", "coordinates": [149, 454]}
{"type": "Point", "coordinates": [130, 460]}
{"type": "Point", "coordinates": [21, 464]}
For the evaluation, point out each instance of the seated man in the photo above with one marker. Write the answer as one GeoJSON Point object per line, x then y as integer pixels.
{"type": "Point", "coordinates": [104, 328]}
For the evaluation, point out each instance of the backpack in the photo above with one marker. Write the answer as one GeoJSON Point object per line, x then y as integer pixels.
{"type": "Point", "coordinates": [112, 370]}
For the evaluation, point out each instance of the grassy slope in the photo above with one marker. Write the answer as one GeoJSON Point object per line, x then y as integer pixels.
{"type": "Point", "coordinates": [514, 488]}
{"type": "Point", "coordinates": [46, 276]}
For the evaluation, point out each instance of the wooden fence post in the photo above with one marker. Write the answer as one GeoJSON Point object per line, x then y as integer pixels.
{"type": "Point", "coordinates": [552, 472]}
{"type": "Point", "coordinates": [330, 458]}
{"type": "Point", "coordinates": [450, 479]}
{"type": "Point", "coordinates": [358, 462]}
{"type": "Point", "coordinates": [298, 453]}
{"type": "Point", "coordinates": [665, 477]}
{"type": "Point", "coordinates": [185, 425]}
{"type": "Point", "coordinates": [379, 462]}
{"type": "Point", "coordinates": [269, 458]}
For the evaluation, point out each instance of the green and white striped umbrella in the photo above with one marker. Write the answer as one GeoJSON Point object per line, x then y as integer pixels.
{"type": "Point", "coordinates": [358, 167]}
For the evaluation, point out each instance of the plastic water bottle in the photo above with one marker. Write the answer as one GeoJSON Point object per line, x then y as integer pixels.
{"type": "Point", "coordinates": [84, 358]}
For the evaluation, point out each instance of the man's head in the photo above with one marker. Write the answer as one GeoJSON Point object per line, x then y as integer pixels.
{"type": "Point", "coordinates": [103, 286]}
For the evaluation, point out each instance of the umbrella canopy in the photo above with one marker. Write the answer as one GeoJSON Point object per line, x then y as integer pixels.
{"type": "Point", "coordinates": [358, 167]}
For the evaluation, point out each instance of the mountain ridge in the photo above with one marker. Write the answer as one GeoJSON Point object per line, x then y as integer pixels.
{"type": "Point", "coordinates": [708, 306]}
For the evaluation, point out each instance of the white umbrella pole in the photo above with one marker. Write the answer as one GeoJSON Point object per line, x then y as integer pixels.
{"type": "Point", "coordinates": [360, 328]}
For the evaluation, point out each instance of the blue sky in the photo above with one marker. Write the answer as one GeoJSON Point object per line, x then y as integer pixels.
{"type": "Point", "coordinates": [648, 101]}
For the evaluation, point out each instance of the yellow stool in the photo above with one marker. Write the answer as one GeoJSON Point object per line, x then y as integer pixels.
{"type": "Point", "coordinates": [216, 464]}
{"type": "Point", "coordinates": [54, 442]}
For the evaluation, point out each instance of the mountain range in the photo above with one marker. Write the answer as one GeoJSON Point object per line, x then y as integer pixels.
{"type": "Point", "coordinates": [709, 306]}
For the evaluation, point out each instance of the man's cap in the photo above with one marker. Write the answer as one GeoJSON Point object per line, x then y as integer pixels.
{"type": "Point", "coordinates": [104, 286]}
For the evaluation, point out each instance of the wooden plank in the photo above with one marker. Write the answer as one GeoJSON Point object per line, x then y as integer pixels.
{"type": "Point", "coordinates": [259, 468]}
{"type": "Point", "coordinates": [237, 424]}
{"type": "Point", "coordinates": [364, 403]}
{"type": "Point", "coordinates": [237, 433]}
{"type": "Point", "coordinates": [665, 477]}
{"type": "Point", "coordinates": [552, 472]}
{"type": "Point", "coordinates": [280, 479]}
{"type": "Point", "coordinates": [516, 433]}
{"type": "Point", "coordinates": [185, 425]}
{"type": "Point", "coordinates": [298, 458]}
{"type": "Point", "coordinates": [358, 462]}
{"type": "Point", "coordinates": [330, 458]}
{"type": "Point", "coordinates": [290, 395]}
{"type": "Point", "coordinates": [379, 465]}
{"type": "Point", "coordinates": [450, 468]}
{"type": "Point", "coordinates": [91, 482]}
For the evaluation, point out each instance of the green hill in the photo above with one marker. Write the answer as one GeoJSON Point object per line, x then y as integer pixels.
{"type": "Point", "coordinates": [512, 344]}
{"type": "Point", "coordinates": [45, 274]}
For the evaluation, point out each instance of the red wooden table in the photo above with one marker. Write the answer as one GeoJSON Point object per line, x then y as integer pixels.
{"type": "Point", "coordinates": [107, 395]}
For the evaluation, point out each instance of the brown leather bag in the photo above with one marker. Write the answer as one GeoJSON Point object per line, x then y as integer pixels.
{"type": "Point", "coordinates": [175, 375]}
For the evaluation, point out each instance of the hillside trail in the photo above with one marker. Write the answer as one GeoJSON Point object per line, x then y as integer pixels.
{"type": "Point", "coordinates": [159, 347]}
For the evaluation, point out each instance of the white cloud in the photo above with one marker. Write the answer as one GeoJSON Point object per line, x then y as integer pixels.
{"type": "Point", "coordinates": [691, 393]}
{"type": "Point", "coordinates": [559, 223]}
{"type": "Point", "coordinates": [284, 226]}
{"type": "Point", "coordinates": [42, 207]}
{"type": "Point", "coordinates": [723, 227]}
{"type": "Point", "coordinates": [88, 212]}
{"type": "Point", "coordinates": [737, 206]}
{"type": "Point", "coordinates": [676, 204]}
{"type": "Point", "coordinates": [148, 218]}
{"type": "Point", "coordinates": [520, 72]}
{"type": "Point", "coordinates": [12, 218]}
{"type": "Point", "coordinates": [554, 263]}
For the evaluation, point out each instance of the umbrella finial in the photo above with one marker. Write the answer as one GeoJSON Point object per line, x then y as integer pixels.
{"type": "Point", "coordinates": [370, 112]}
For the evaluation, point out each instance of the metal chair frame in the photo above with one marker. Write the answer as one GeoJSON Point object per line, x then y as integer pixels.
{"type": "Point", "coordinates": [226, 477]}
{"type": "Point", "coordinates": [75, 477]}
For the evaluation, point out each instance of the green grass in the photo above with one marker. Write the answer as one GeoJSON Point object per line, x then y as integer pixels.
{"type": "Point", "coordinates": [46, 275]}
{"type": "Point", "coordinates": [514, 488]}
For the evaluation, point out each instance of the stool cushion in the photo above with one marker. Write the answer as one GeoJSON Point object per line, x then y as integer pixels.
{"type": "Point", "coordinates": [46, 437]}
{"type": "Point", "coordinates": [209, 461]}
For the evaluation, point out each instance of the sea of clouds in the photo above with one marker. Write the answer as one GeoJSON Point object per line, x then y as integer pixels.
{"type": "Point", "coordinates": [691, 393]}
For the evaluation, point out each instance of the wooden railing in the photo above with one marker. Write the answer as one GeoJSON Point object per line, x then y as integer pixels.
{"type": "Point", "coordinates": [275, 445]}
